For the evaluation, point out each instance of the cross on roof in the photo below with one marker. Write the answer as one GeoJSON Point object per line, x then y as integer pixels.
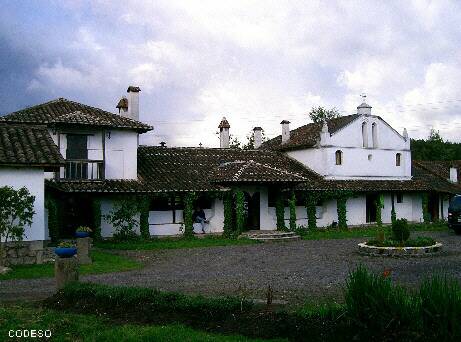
{"type": "Point", "coordinates": [364, 97]}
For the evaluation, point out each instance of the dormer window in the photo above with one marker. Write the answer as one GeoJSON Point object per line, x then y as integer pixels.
{"type": "Point", "coordinates": [374, 133]}
{"type": "Point", "coordinates": [339, 157]}
{"type": "Point", "coordinates": [398, 159]}
{"type": "Point", "coordinates": [364, 135]}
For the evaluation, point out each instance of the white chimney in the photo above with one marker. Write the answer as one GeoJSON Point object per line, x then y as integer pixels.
{"type": "Point", "coordinates": [258, 137]}
{"type": "Point", "coordinates": [405, 134]}
{"type": "Point", "coordinates": [453, 175]}
{"type": "Point", "coordinates": [285, 131]}
{"type": "Point", "coordinates": [224, 136]}
{"type": "Point", "coordinates": [364, 108]}
{"type": "Point", "coordinates": [324, 135]}
{"type": "Point", "coordinates": [133, 102]}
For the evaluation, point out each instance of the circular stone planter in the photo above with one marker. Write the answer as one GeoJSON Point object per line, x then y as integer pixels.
{"type": "Point", "coordinates": [364, 249]}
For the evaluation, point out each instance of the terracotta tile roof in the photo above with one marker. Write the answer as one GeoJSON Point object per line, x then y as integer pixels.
{"type": "Point", "coordinates": [251, 171]}
{"type": "Point", "coordinates": [100, 186]}
{"type": "Point", "coordinates": [365, 185]}
{"type": "Point", "coordinates": [308, 135]}
{"type": "Point", "coordinates": [27, 145]}
{"type": "Point", "coordinates": [63, 111]}
{"type": "Point", "coordinates": [436, 174]}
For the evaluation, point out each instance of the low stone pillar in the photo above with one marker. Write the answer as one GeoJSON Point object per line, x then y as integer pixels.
{"type": "Point", "coordinates": [83, 250]}
{"type": "Point", "coordinates": [65, 271]}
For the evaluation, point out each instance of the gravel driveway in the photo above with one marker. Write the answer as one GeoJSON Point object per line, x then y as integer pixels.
{"type": "Point", "coordinates": [296, 270]}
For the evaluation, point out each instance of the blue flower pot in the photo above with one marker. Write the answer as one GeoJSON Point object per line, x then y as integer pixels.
{"type": "Point", "coordinates": [65, 252]}
{"type": "Point", "coordinates": [82, 234]}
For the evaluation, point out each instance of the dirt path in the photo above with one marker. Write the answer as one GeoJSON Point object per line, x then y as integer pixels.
{"type": "Point", "coordinates": [296, 271]}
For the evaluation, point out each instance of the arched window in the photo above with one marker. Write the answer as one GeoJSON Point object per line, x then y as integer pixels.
{"type": "Point", "coordinates": [398, 159]}
{"type": "Point", "coordinates": [364, 135]}
{"type": "Point", "coordinates": [374, 133]}
{"type": "Point", "coordinates": [339, 157]}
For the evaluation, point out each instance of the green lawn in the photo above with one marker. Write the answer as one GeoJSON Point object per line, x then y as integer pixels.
{"type": "Point", "coordinates": [366, 232]}
{"type": "Point", "coordinates": [77, 327]}
{"type": "Point", "coordinates": [173, 243]}
{"type": "Point", "coordinates": [103, 262]}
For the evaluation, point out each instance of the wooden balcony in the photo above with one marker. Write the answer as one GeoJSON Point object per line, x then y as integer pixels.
{"type": "Point", "coordinates": [82, 169]}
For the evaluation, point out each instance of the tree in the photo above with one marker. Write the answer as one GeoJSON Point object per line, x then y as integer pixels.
{"type": "Point", "coordinates": [249, 144]}
{"type": "Point", "coordinates": [320, 114]}
{"type": "Point", "coordinates": [435, 148]}
{"type": "Point", "coordinates": [123, 217]}
{"type": "Point", "coordinates": [16, 211]}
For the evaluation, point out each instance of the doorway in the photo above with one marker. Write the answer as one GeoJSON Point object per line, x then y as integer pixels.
{"type": "Point", "coordinates": [371, 200]}
{"type": "Point", "coordinates": [253, 211]}
{"type": "Point", "coordinates": [433, 206]}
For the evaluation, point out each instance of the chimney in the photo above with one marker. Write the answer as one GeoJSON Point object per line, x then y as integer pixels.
{"type": "Point", "coordinates": [285, 131]}
{"type": "Point", "coordinates": [224, 133]}
{"type": "Point", "coordinates": [405, 134]}
{"type": "Point", "coordinates": [122, 106]}
{"type": "Point", "coordinates": [453, 175]}
{"type": "Point", "coordinates": [133, 102]}
{"type": "Point", "coordinates": [324, 135]}
{"type": "Point", "coordinates": [258, 137]}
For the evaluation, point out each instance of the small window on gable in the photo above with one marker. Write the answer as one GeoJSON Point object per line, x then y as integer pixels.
{"type": "Point", "coordinates": [374, 133]}
{"type": "Point", "coordinates": [339, 157]}
{"type": "Point", "coordinates": [399, 198]}
{"type": "Point", "coordinates": [364, 135]}
{"type": "Point", "coordinates": [398, 160]}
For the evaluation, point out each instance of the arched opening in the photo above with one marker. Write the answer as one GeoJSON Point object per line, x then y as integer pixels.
{"type": "Point", "coordinates": [398, 159]}
{"type": "Point", "coordinates": [339, 157]}
{"type": "Point", "coordinates": [374, 133]}
{"type": "Point", "coordinates": [364, 135]}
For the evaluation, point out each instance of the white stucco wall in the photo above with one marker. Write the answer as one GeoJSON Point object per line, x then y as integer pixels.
{"type": "Point", "coordinates": [356, 161]}
{"type": "Point", "coordinates": [33, 180]}
{"type": "Point", "coordinates": [121, 155]}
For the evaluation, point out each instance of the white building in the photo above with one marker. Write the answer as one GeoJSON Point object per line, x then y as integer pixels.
{"type": "Point", "coordinates": [359, 154]}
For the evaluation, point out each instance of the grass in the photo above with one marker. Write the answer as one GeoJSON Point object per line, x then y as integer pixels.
{"type": "Point", "coordinates": [77, 327]}
{"type": "Point", "coordinates": [103, 262]}
{"type": "Point", "coordinates": [365, 232]}
{"type": "Point", "coordinates": [173, 243]}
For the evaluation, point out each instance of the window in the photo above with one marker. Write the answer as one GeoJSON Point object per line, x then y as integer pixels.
{"type": "Point", "coordinates": [161, 204]}
{"type": "Point", "coordinates": [364, 135]}
{"type": "Point", "coordinates": [398, 158]}
{"type": "Point", "coordinates": [374, 133]}
{"type": "Point", "coordinates": [204, 202]}
{"type": "Point", "coordinates": [339, 157]}
{"type": "Point", "coordinates": [399, 197]}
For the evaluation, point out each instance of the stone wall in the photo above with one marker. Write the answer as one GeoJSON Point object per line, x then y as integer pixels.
{"type": "Point", "coordinates": [28, 253]}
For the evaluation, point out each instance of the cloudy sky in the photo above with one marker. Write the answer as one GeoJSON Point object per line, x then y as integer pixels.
{"type": "Point", "coordinates": [255, 62]}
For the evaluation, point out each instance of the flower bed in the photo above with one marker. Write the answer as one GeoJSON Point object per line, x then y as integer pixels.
{"type": "Point", "coordinates": [399, 251]}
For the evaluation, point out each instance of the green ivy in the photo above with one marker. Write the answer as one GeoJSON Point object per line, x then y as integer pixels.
{"type": "Point", "coordinates": [53, 218]}
{"type": "Point", "coordinates": [189, 200]}
{"type": "Point", "coordinates": [96, 208]}
{"type": "Point", "coordinates": [342, 212]}
{"type": "Point", "coordinates": [425, 205]}
{"type": "Point", "coordinates": [292, 205]}
{"type": "Point", "coordinates": [228, 215]}
{"type": "Point", "coordinates": [379, 206]}
{"type": "Point", "coordinates": [311, 201]}
{"type": "Point", "coordinates": [144, 203]}
{"type": "Point", "coordinates": [240, 210]}
{"type": "Point", "coordinates": [280, 212]}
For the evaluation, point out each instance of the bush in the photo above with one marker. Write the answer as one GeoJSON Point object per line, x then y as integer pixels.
{"type": "Point", "coordinates": [441, 308]}
{"type": "Point", "coordinates": [420, 241]}
{"type": "Point", "coordinates": [377, 308]}
{"type": "Point", "coordinates": [400, 230]}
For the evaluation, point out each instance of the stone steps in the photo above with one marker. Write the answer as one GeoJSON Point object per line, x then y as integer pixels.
{"type": "Point", "coordinates": [270, 236]}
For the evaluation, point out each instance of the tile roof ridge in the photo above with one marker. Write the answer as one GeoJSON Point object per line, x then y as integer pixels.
{"type": "Point", "coordinates": [242, 169]}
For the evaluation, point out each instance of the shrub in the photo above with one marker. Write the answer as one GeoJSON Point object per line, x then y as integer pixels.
{"type": "Point", "coordinates": [420, 241]}
{"type": "Point", "coordinates": [441, 308]}
{"type": "Point", "coordinates": [376, 307]}
{"type": "Point", "coordinates": [400, 230]}
{"type": "Point", "coordinates": [84, 229]}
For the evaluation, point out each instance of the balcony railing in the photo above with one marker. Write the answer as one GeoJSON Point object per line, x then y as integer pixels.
{"type": "Point", "coordinates": [82, 169]}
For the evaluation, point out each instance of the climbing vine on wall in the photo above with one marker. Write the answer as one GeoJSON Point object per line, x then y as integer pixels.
{"type": "Point", "coordinates": [143, 206]}
{"type": "Point", "coordinates": [96, 208]}
{"type": "Point", "coordinates": [280, 211]}
{"type": "Point", "coordinates": [189, 200]}
{"type": "Point", "coordinates": [425, 205]}
{"type": "Point", "coordinates": [240, 210]}
{"type": "Point", "coordinates": [342, 212]}
{"type": "Point", "coordinates": [229, 230]}
{"type": "Point", "coordinates": [53, 219]}
{"type": "Point", "coordinates": [311, 202]}
{"type": "Point", "coordinates": [292, 205]}
{"type": "Point", "coordinates": [379, 206]}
